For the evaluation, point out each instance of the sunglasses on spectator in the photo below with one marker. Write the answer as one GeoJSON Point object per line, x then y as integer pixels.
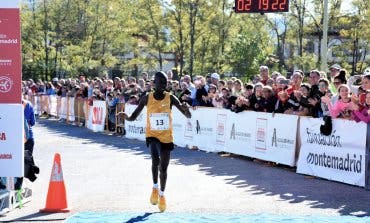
{"type": "Point", "coordinates": [336, 83]}
{"type": "Point", "coordinates": [322, 85]}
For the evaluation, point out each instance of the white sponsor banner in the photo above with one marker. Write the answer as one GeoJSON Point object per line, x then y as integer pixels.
{"type": "Point", "coordinates": [204, 128]}
{"type": "Point", "coordinates": [180, 124]}
{"type": "Point", "coordinates": [263, 136]}
{"type": "Point", "coordinates": [240, 130]}
{"type": "Point", "coordinates": [97, 116]}
{"type": "Point", "coordinates": [339, 156]}
{"type": "Point", "coordinates": [9, 4]}
{"type": "Point", "coordinates": [278, 143]}
{"type": "Point", "coordinates": [135, 129]}
{"type": "Point", "coordinates": [254, 134]}
{"type": "Point", "coordinates": [11, 140]}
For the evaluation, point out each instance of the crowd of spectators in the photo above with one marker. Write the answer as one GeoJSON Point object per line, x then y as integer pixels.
{"type": "Point", "coordinates": [314, 93]}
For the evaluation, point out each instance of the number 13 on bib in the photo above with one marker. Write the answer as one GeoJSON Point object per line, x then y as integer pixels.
{"type": "Point", "coordinates": [159, 121]}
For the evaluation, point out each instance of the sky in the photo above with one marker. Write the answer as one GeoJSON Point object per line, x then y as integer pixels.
{"type": "Point", "coordinates": [347, 6]}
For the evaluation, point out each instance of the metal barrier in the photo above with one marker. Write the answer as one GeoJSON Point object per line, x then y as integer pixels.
{"type": "Point", "coordinates": [120, 122]}
{"type": "Point", "coordinates": [11, 199]}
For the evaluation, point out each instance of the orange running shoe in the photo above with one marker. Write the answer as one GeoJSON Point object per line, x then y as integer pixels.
{"type": "Point", "coordinates": [162, 204]}
{"type": "Point", "coordinates": [154, 196]}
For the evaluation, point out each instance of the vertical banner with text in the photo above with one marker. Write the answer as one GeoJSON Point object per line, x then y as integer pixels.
{"type": "Point", "coordinates": [11, 109]}
{"type": "Point", "coordinates": [10, 52]}
{"type": "Point", "coordinates": [11, 140]}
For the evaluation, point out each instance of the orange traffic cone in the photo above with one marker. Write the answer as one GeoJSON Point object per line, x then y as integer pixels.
{"type": "Point", "coordinates": [56, 200]}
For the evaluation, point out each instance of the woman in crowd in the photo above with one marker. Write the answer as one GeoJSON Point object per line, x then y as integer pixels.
{"type": "Point", "coordinates": [360, 97]}
{"type": "Point", "coordinates": [324, 91]}
{"type": "Point", "coordinates": [296, 81]}
{"type": "Point", "coordinates": [201, 91]}
{"type": "Point", "coordinates": [302, 96]}
{"type": "Point", "coordinates": [257, 99]}
{"type": "Point", "coordinates": [281, 84]}
{"type": "Point", "coordinates": [238, 88]}
{"type": "Point", "coordinates": [212, 93]}
{"type": "Point", "coordinates": [283, 104]}
{"type": "Point", "coordinates": [175, 89]}
{"type": "Point", "coordinates": [185, 95]}
{"type": "Point", "coordinates": [362, 114]}
{"type": "Point", "coordinates": [241, 104]}
{"type": "Point", "coordinates": [269, 99]}
{"type": "Point", "coordinates": [338, 81]}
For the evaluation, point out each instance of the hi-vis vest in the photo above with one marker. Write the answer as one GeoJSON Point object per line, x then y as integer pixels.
{"type": "Point", "coordinates": [159, 118]}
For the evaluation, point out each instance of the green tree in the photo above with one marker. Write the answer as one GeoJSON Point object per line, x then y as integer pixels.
{"type": "Point", "coordinates": [250, 47]}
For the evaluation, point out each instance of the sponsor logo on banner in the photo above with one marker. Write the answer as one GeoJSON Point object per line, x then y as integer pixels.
{"type": "Point", "coordinates": [6, 156]}
{"type": "Point", "coordinates": [8, 41]}
{"type": "Point", "coordinates": [2, 136]}
{"type": "Point", "coordinates": [10, 53]}
{"type": "Point", "coordinates": [221, 128]}
{"type": "Point", "coordinates": [261, 134]}
{"type": "Point", "coordinates": [97, 118]}
{"type": "Point", "coordinates": [131, 128]}
{"type": "Point", "coordinates": [349, 163]}
{"type": "Point", "coordinates": [3, 37]}
{"type": "Point", "coordinates": [238, 135]}
{"type": "Point", "coordinates": [203, 130]}
{"type": "Point", "coordinates": [317, 138]}
{"type": "Point", "coordinates": [5, 84]}
{"type": "Point", "coordinates": [5, 62]}
{"type": "Point", "coordinates": [281, 142]}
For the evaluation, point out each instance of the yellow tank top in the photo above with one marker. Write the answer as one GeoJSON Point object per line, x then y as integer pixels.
{"type": "Point", "coordinates": [159, 118]}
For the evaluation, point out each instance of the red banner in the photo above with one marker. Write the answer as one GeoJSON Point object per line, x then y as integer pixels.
{"type": "Point", "coordinates": [10, 56]}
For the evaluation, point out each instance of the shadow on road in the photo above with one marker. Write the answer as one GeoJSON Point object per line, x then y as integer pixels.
{"type": "Point", "coordinates": [139, 218]}
{"type": "Point", "coordinates": [255, 177]}
{"type": "Point", "coordinates": [36, 217]}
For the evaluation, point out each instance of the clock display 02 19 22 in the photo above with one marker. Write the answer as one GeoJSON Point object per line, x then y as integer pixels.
{"type": "Point", "coordinates": [261, 6]}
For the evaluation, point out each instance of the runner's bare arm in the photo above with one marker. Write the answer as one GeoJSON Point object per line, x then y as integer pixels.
{"type": "Point", "coordinates": [143, 101]}
{"type": "Point", "coordinates": [183, 108]}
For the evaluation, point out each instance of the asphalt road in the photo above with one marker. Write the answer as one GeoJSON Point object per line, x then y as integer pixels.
{"type": "Point", "coordinates": [107, 173]}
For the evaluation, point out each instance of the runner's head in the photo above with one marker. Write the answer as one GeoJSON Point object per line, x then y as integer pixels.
{"type": "Point", "coordinates": [160, 81]}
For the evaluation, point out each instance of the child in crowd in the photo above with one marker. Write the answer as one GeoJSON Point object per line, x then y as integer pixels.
{"type": "Point", "coordinates": [342, 108]}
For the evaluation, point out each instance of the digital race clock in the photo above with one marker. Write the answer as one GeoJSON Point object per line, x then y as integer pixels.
{"type": "Point", "coordinates": [261, 6]}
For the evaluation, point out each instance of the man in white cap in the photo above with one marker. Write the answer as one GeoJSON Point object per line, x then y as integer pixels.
{"type": "Point", "coordinates": [334, 71]}
{"type": "Point", "coordinates": [215, 77]}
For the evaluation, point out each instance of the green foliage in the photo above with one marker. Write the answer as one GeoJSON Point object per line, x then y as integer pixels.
{"type": "Point", "coordinates": [306, 62]}
{"type": "Point", "coordinates": [249, 50]}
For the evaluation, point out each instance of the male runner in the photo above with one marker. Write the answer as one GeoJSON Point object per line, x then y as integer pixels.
{"type": "Point", "coordinates": [159, 132]}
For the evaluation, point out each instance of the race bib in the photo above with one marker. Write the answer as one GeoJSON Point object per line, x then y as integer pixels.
{"type": "Point", "coordinates": [159, 121]}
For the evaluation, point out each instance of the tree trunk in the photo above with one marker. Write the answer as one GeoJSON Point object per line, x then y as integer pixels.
{"type": "Point", "coordinates": [192, 18]}
{"type": "Point", "coordinates": [46, 48]}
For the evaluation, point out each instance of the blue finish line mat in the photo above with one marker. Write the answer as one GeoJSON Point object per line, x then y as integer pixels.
{"type": "Point", "coordinates": [156, 217]}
